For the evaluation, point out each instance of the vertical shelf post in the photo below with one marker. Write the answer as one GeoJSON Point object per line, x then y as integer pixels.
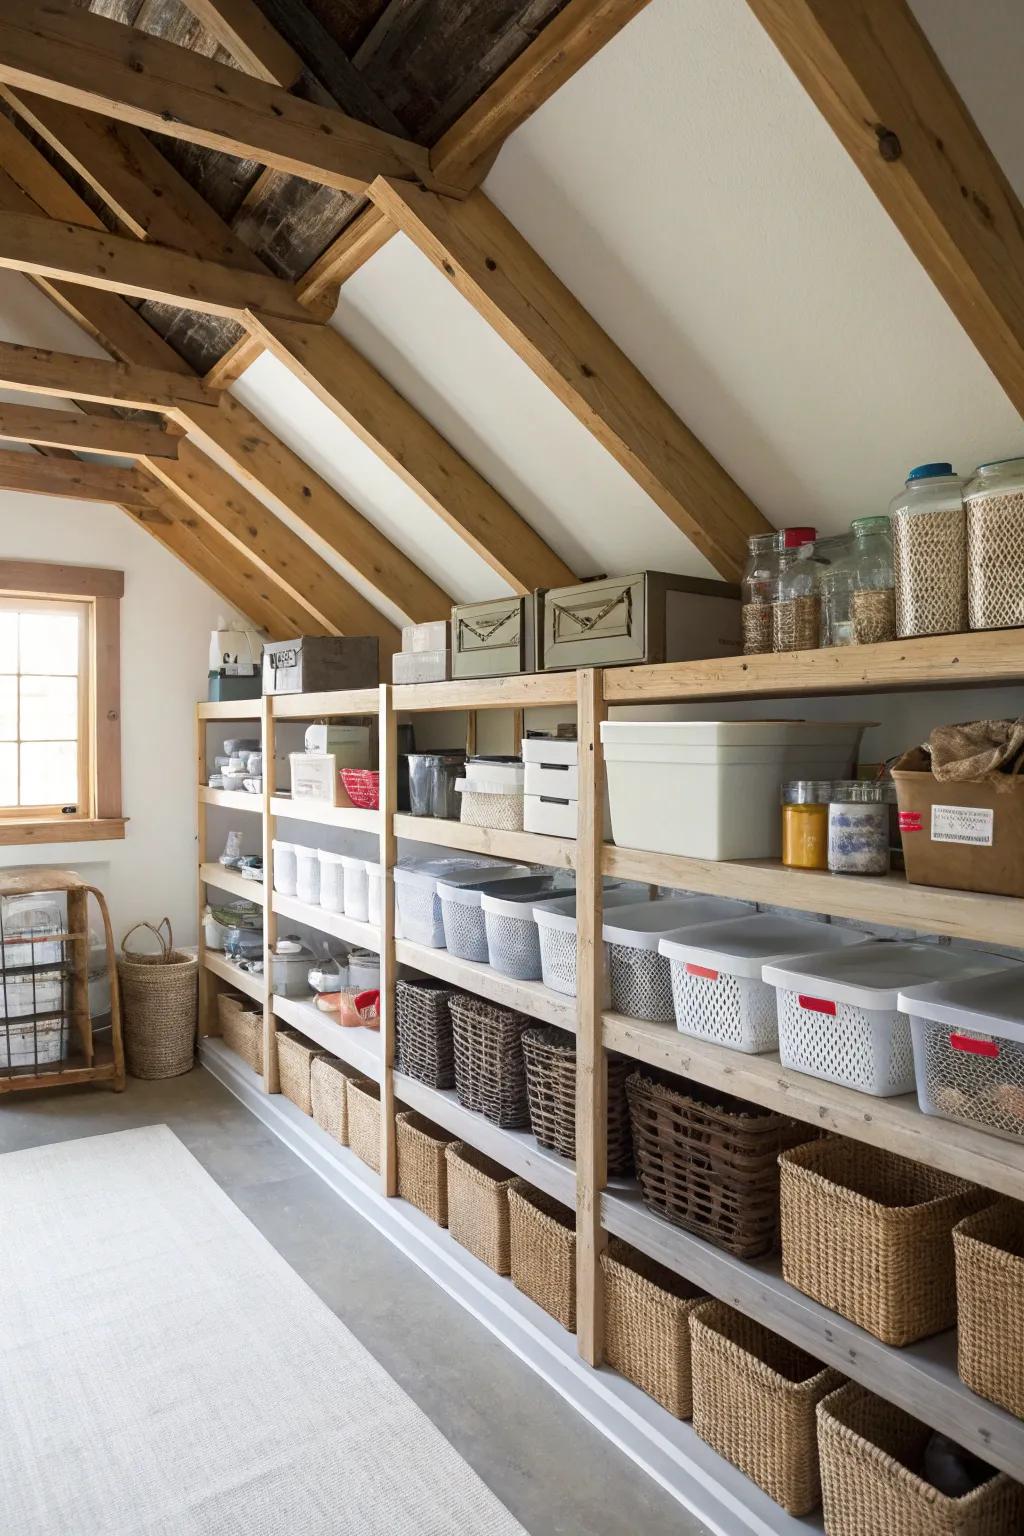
{"type": "Point", "coordinates": [207, 990]}
{"type": "Point", "coordinates": [388, 766]}
{"type": "Point", "coordinates": [271, 1074]}
{"type": "Point", "coordinates": [591, 1064]}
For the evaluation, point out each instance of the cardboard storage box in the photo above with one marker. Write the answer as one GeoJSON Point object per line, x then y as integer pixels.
{"type": "Point", "coordinates": [320, 663]}
{"type": "Point", "coordinates": [421, 666]}
{"type": "Point", "coordinates": [497, 638]}
{"type": "Point", "coordinates": [649, 617]}
{"type": "Point", "coordinates": [432, 636]}
{"type": "Point", "coordinates": [965, 836]}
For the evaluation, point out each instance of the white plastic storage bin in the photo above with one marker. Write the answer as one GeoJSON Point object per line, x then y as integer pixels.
{"type": "Point", "coordinates": [31, 1044]}
{"type": "Point", "coordinates": [465, 932]}
{"type": "Point", "coordinates": [968, 1037]}
{"type": "Point", "coordinates": [551, 767]}
{"type": "Point", "coordinates": [513, 944]}
{"type": "Point", "coordinates": [28, 924]}
{"type": "Point", "coordinates": [375, 897]}
{"type": "Point", "coordinates": [417, 901]}
{"type": "Point", "coordinates": [492, 796]}
{"type": "Point", "coordinates": [356, 903]}
{"type": "Point", "coordinates": [718, 992]}
{"type": "Point", "coordinates": [286, 872]}
{"type": "Point", "coordinates": [640, 979]}
{"type": "Point", "coordinates": [556, 933]}
{"type": "Point", "coordinates": [556, 818]}
{"type": "Point", "coordinates": [307, 875]}
{"type": "Point", "coordinates": [839, 1014]}
{"type": "Point", "coordinates": [332, 881]}
{"type": "Point", "coordinates": [710, 789]}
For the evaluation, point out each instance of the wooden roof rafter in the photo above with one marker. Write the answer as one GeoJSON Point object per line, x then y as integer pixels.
{"type": "Point", "coordinates": [86, 434]}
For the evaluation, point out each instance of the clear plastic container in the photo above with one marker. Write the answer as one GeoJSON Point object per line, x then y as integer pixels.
{"type": "Point", "coordinates": [307, 875]}
{"type": "Point", "coordinates": [356, 900]}
{"type": "Point", "coordinates": [332, 880]}
{"type": "Point", "coordinates": [756, 592]}
{"type": "Point", "coordinates": [929, 538]}
{"type": "Point", "coordinates": [290, 963]}
{"type": "Point", "coordinates": [994, 500]}
{"type": "Point", "coordinates": [243, 944]}
{"type": "Point", "coordinates": [285, 868]}
{"type": "Point", "coordinates": [796, 600]}
{"type": "Point", "coordinates": [432, 777]}
{"type": "Point", "coordinates": [363, 970]}
{"type": "Point", "coordinates": [328, 973]}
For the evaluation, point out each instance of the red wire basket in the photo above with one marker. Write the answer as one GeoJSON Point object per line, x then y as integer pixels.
{"type": "Point", "coordinates": [362, 785]}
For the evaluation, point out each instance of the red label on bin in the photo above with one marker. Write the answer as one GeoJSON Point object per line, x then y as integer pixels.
{"type": "Point", "coordinates": [701, 970]}
{"type": "Point", "coordinates": [816, 1004]}
{"type": "Point", "coordinates": [911, 821]}
{"type": "Point", "coordinates": [972, 1046]}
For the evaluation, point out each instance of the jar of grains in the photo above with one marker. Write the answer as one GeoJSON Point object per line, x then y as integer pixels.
{"type": "Point", "coordinates": [872, 581]}
{"type": "Point", "coordinates": [995, 545]}
{"type": "Point", "coordinates": [929, 535]}
{"type": "Point", "coordinates": [858, 829]}
{"type": "Point", "coordinates": [805, 824]}
{"type": "Point", "coordinates": [796, 602]}
{"type": "Point", "coordinates": [756, 592]}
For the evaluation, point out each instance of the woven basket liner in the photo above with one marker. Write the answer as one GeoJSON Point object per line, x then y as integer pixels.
{"type": "Point", "coordinates": [362, 1098]}
{"type": "Point", "coordinates": [159, 1004]}
{"type": "Point", "coordinates": [241, 1028]}
{"type": "Point", "coordinates": [870, 1235]}
{"type": "Point", "coordinates": [295, 1056]}
{"type": "Point", "coordinates": [709, 1164]}
{"type": "Point", "coordinates": [327, 1078]}
{"type": "Point", "coordinates": [478, 1205]}
{"type": "Point", "coordinates": [543, 1251]}
{"type": "Point", "coordinates": [422, 1169]}
{"type": "Point", "coordinates": [647, 1325]}
{"type": "Point", "coordinates": [868, 1449]}
{"type": "Point", "coordinates": [423, 1032]}
{"type": "Point", "coordinates": [550, 1057]}
{"type": "Point", "coordinates": [989, 1251]}
{"type": "Point", "coordinates": [490, 1075]}
{"type": "Point", "coordinates": [754, 1402]}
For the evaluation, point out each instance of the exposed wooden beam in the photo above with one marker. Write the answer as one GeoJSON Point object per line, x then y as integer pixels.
{"type": "Point", "coordinates": [70, 478]}
{"type": "Point", "coordinates": [242, 29]}
{"type": "Point", "coordinates": [872, 72]}
{"type": "Point", "coordinates": [489, 262]}
{"type": "Point", "coordinates": [68, 376]}
{"type": "Point", "coordinates": [88, 61]}
{"type": "Point", "coordinates": [86, 434]}
{"type": "Point", "coordinates": [406, 442]}
{"type": "Point", "coordinates": [73, 253]}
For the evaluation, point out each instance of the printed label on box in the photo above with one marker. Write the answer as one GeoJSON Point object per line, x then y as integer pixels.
{"type": "Point", "coordinates": [962, 824]}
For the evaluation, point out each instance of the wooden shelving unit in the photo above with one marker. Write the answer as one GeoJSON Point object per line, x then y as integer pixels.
{"type": "Point", "coordinates": [922, 1379]}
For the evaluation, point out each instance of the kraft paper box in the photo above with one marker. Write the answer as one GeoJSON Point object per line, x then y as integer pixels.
{"type": "Point", "coordinates": [966, 836]}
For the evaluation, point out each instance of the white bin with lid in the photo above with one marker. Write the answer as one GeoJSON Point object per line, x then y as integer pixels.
{"type": "Point", "coordinates": [286, 872]}
{"type": "Point", "coordinates": [307, 875]}
{"type": "Point", "coordinates": [513, 942]}
{"type": "Point", "coordinates": [709, 789]}
{"type": "Point", "coordinates": [640, 978]}
{"type": "Point", "coordinates": [492, 796]}
{"type": "Point", "coordinates": [839, 1014]}
{"type": "Point", "coordinates": [416, 898]}
{"type": "Point", "coordinates": [332, 881]}
{"type": "Point", "coordinates": [717, 989]}
{"type": "Point", "coordinates": [968, 1037]}
{"type": "Point", "coordinates": [356, 887]}
{"type": "Point", "coordinates": [465, 931]}
{"type": "Point", "coordinates": [556, 931]}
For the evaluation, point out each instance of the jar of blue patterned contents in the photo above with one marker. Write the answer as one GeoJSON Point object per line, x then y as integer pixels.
{"type": "Point", "coordinates": [858, 829]}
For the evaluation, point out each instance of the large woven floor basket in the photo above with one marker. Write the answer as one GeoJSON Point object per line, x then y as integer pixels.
{"type": "Point", "coordinates": [490, 1075]}
{"type": "Point", "coordinates": [550, 1057]}
{"type": "Point", "coordinates": [709, 1163]}
{"type": "Point", "coordinates": [872, 1479]}
{"type": "Point", "coordinates": [989, 1249]}
{"type": "Point", "coordinates": [647, 1325]}
{"type": "Point", "coordinates": [158, 998]}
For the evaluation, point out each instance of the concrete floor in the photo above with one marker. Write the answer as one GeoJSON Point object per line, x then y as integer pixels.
{"type": "Point", "coordinates": [556, 1474]}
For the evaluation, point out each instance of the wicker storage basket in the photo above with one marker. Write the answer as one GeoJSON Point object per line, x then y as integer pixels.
{"type": "Point", "coordinates": [549, 1054]}
{"type": "Point", "coordinates": [989, 1249]}
{"type": "Point", "coordinates": [478, 1205]}
{"type": "Point", "coordinates": [295, 1056]}
{"type": "Point", "coordinates": [869, 1451]}
{"type": "Point", "coordinates": [490, 1075]}
{"type": "Point", "coordinates": [647, 1325]}
{"type": "Point", "coordinates": [327, 1079]}
{"type": "Point", "coordinates": [158, 1001]}
{"type": "Point", "coordinates": [870, 1235]}
{"type": "Point", "coordinates": [422, 1169]}
{"type": "Point", "coordinates": [241, 1028]}
{"type": "Point", "coordinates": [362, 1098]}
{"type": "Point", "coordinates": [709, 1164]}
{"type": "Point", "coordinates": [423, 1031]}
{"type": "Point", "coordinates": [754, 1402]}
{"type": "Point", "coordinates": [542, 1235]}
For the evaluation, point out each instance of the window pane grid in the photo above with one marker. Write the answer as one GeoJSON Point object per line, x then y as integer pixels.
{"type": "Point", "coordinates": [41, 705]}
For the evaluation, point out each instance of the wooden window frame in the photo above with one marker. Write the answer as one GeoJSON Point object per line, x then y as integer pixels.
{"type": "Point", "coordinates": [101, 591]}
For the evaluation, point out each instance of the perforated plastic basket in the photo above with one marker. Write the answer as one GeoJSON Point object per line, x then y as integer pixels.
{"type": "Point", "coordinates": [513, 943]}
{"type": "Point", "coordinates": [307, 879]}
{"type": "Point", "coordinates": [418, 904]}
{"type": "Point", "coordinates": [556, 931]}
{"type": "Point", "coordinates": [356, 888]}
{"type": "Point", "coordinates": [332, 881]}
{"type": "Point", "coordinates": [639, 977]}
{"type": "Point", "coordinates": [285, 868]}
{"type": "Point", "coordinates": [839, 1016]}
{"type": "Point", "coordinates": [717, 990]}
{"type": "Point", "coordinates": [462, 915]}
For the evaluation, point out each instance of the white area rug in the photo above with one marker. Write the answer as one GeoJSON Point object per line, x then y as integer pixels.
{"type": "Point", "coordinates": [163, 1371]}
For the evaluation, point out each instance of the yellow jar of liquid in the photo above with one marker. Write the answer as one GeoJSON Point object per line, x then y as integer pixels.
{"type": "Point", "coordinates": [805, 824]}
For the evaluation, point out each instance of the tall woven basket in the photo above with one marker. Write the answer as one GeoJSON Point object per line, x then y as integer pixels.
{"type": "Point", "coordinates": [158, 995]}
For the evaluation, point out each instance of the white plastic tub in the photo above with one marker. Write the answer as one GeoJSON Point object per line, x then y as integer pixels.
{"type": "Point", "coordinates": [513, 944]}
{"type": "Point", "coordinates": [417, 901]}
{"type": "Point", "coordinates": [640, 978]}
{"type": "Point", "coordinates": [307, 875]}
{"type": "Point", "coordinates": [556, 932]}
{"type": "Point", "coordinates": [462, 916]}
{"type": "Point", "coordinates": [710, 789]}
{"type": "Point", "coordinates": [332, 881]}
{"type": "Point", "coordinates": [375, 897]}
{"type": "Point", "coordinates": [968, 1038]}
{"type": "Point", "coordinates": [839, 1014]}
{"type": "Point", "coordinates": [718, 992]}
{"type": "Point", "coordinates": [285, 868]}
{"type": "Point", "coordinates": [356, 895]}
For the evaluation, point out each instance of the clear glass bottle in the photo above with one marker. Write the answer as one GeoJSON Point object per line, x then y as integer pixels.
{"type": "Point", "coordinates": [756, 591]}
{"type": "Point", "coordinates": [872, 583]}
{"type": "Point", "coordinates": [994, 498]}
{"type": "Point", "coordinates": [805, 805]}
{"type": "Point", "coordinates": [796, 602]}
{"type": "Point", "coordinates": [929, 536]}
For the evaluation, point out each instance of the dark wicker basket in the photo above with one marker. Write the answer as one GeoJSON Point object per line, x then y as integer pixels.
{"type": "Point", "coordinates": [550, 1056]}
{"type": "Point", "coordinates": [423, 1031]}
{"type": "Point", "coordinates": [710, 1163]}
{"type": "Point", "coordinates": [490, 1075]}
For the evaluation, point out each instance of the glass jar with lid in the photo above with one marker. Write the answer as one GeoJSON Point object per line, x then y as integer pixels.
{"type": "Point", "coordinates": [858, 828]}
{"type": "Point", "coordinates": [872, 581]}
{"type": "Point", "coordinates": [796, 601]}
{"type": "Point", "coordinates": [929, 536]}
{"type": "Point", "coordinates": [994, 499]}
{"type": "Point", "coordinates": [756, 590]}
{"type": "Point", "coordinates": [805, 805]}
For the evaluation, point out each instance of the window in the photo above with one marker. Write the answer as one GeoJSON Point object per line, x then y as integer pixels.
{"type": "Point", "coordinates": [60, 730]}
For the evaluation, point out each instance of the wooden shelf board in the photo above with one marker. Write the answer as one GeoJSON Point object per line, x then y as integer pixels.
{"type": "Point", "coordinates": [242, 981]}
{"type": "Point", "coordinates": [350, 817]}
{"type": "Point", "coordinates": [987, 657]}
{"type": "Point", "coordinates": [531, 690]}
{"type": "Point", "coordinates": [884, 899]}
{"type": "Point", "coordinates": [227, 880]}
{"type": "Point", "coordinates": [922, 1379]}
{"type": "Point", "coordinates": [526, 847]}
{"type": "Point", "coordinates": [238, 709]}
{"type": "Point", "coordinates": [231, 799]}
{"type": "Point", "coordinates": [530, 997]}
{"type": "Point", "coordinates": [894, 1124]}
{"type": "Point", "coordinates": [334, 923]}
{"type": "Point", "coordinates": [361, 1048]}
{"type": "Point", "coordinates": [310, 706]}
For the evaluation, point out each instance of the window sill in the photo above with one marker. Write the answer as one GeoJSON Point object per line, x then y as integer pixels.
{"type": "Point", "coordinates": [61, 829]}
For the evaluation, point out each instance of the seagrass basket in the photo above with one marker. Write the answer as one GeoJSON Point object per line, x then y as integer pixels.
{"type": "Point", "coordinates": [241, 1028]}
{"type": "Point", "coordinates": [478, 1205]}
{"type": "Point", "coordinates": [422, 1168]}
{"type": "Point", "coordinates": [327, 1078]}
{"type": "Point", "coordinates": [159, 998]}
{"type": "Point", "coordinates": [754, 1402]}
{"type": "Point", "coordinates": [870, 1235]}
{"type": "Point", "coordinates": [549, 1054]}
{"type": "Point", "coordinates": [490, 1075]}
{"type": "Point", "coordinates": [295, 1056]}
{"type": "Point", "coordinates": [362, 1099]}
{"type": "Point", "coordinates": [647, 1325]}
{"type": "Point", "coordinates": [989, 1253]}
{"type": "Point", "coordinates": [423, 1031]}
{"type": "Point", "coordinates": [542, 1251]}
